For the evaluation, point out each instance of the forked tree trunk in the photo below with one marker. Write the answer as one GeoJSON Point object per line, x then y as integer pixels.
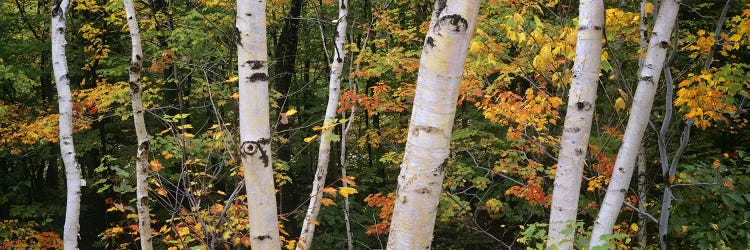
{"type": "Point", "coordinates": [255, 130]}
{"type": "Point", "coordinates": [141, 164]}
{"type": "Point", "coordinates": [577, 128]}
{"type": "Point", "coordinates": [639, 116]}
{"type": "Point", "coordinates": [428, 141]}
{"type": "Point", "coordinates": [65, 102]}
{"type": "Point", "coordinates": [324, 151]}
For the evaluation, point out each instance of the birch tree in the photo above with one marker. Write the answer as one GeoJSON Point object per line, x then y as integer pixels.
{"type": "Point", "coordinates": [428, 140]}
{"type": "Point", "coordinates": [255, 129]}
{"type": "Point", "coordinates": [141, 164]}
{"type": "Point", "coordinates": [577, 128]}
{"type": "Point", "coordinates": [324, 151]}
{"type": "Point", "coordinates": [73, 179]}
{"type": "Point", "coordinates": [639, 116]}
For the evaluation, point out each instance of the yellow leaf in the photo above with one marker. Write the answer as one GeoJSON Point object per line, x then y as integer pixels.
{"type": "Point", "coordinates": [346, 191]}
{"type": "Point", "coordinates": [235, 96]}
{"type": "Point", "coordinates": [327, 202]}
{"type": "Point", "coordinates": [309, 139]}
{"type": "Point", "coordinates": [619, 104]}
{"type": "Point", "coordinates": [232, 79]}
{"type": "Point", "coordinates": [634, 227]}
{"type": "Point", "coordinates": [330, 190]}
{"type": "Point", "coordinates": [475, 47]}
{"type": "Point", "coordinates": [649, 8]}
{"type": "Point", "coordinates": [183, 231]}
{"type": "Point", "coordinates": [291, 112]}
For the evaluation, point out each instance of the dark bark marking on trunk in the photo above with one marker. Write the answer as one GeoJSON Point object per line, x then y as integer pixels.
{"type": "Point", "coordinates": [439, 7]}
{"type": "Point", "coordinates": [263, 237]}
{"type": "Point", "coordinates": [430, 42]}
{"type": "Point", "coordinates": [458, 22]}
{"type": "Point", "coordinates": [56, 10]}
{"type": "Point", "coordinates": [572, 130]}
{"type": "Point", "coordinates": [579, 152]}
{"type": "Point", "coordinates": [423, 191]}
{"type": "Point", "coordinates": [649, 79]}
{"type": "Point", "coordinates": [237, 36]}
{"type": "Point", "coordinates": [134, 87]}
{"type": "Point", "coordinates": [583, 106]}
{"type": "Point", "coordinates": [258, 77]}
{"type": "Point", "coordinates": [256, 64]}
{"type": "Point", "coordinates": [249, 148]}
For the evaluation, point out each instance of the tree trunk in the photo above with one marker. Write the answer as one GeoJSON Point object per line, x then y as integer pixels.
{"type": "Point", "coordinates": [141, 164]}
{"type": "Point", "coordinates": [65, 102]}
{"type": "Point", "coordinates": [577, 128]}
{"type": "Point", "coordinates": [324, 151]}
{"type": "Point", "coordinates": [255, 130]}
{"type": "Point", "coordinates": [286, 56]}
{"type": "Point", "coordinates": [428, 141]}
{"type": "Point", "coordinates": [639, 116]}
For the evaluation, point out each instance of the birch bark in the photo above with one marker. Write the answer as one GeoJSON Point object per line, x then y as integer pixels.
{"type": "Point", "coordinates": [255, 129]}
{"type": "Point", "coordinates": [65, 103]}
{"type": "Point", "coordinates": [577, 128]}
{"type": "Point", "coordinates": [428, 140]}
{"type": "Point", "coordinates": [639, 117]}
{"type": "Point", "coordinates": [141, 164]}
{"type": "Point", "coordinates": [324, 151]}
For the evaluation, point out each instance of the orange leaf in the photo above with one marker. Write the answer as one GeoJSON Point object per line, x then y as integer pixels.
{"type": "Point", "coordinates": [330, 190]}
{"type": "Point", "coordinates": [327, 202]}
{"type": "Point", "coordinates": [155, 165]}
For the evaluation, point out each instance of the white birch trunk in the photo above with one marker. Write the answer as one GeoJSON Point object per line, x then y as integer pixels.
{"type": "Point", "coordinates": [255, 130]}
{"type": "Point", "coordinates": [639, 117]}
{"type": "Point", "coordinates": [577, 128]}
{"type": "Point", "coordinates": [324, 151]}
{"type": "Point", "coordinates": [141, 164]}
{"type": "Point", "coordinates": [65, 102]}
{"type": "Point", "coordinates": [428, 141]}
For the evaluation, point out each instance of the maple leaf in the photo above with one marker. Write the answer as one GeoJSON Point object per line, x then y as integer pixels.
{"type": "Point", "coordinates": [330, 190]}
{"type": "Point", "coordinates": [346, 191]}
{"type": "Point", "coordinates": [327, 202]}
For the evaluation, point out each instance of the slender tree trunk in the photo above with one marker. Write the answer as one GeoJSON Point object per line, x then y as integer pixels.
{"type": "Point", "coordinates": [428, 141]}
{"type": "Point", "coordinates": [141, 164]}
{"type": "Point", "coordinates": [324, 151]}
{"type": "Point", "coordinates": [642, 197]}
{"type": "Point", "coordinates": [255, 130]}
{"type": "Point", "coordinates": [65, 102]}
{"type": "Point", "coordinates": [577, 128]}
{"type": "Point", "coordinates": [639, 116]}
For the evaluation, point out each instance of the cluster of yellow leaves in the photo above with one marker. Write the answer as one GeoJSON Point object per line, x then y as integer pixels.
{"type": "Point", "coordinates": [96, 45]}
{"type": "Point", "coordinates": [704, 98]}
{"type": "Point", "coordinates": [537, 111]}
{"type": "Point", "coordinates": [623, 26]}
{"type": "Point", "coordinates": [23, 127]}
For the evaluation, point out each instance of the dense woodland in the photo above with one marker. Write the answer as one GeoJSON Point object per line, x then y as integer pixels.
{"type": "Point", "coordinates": [355, 95]}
